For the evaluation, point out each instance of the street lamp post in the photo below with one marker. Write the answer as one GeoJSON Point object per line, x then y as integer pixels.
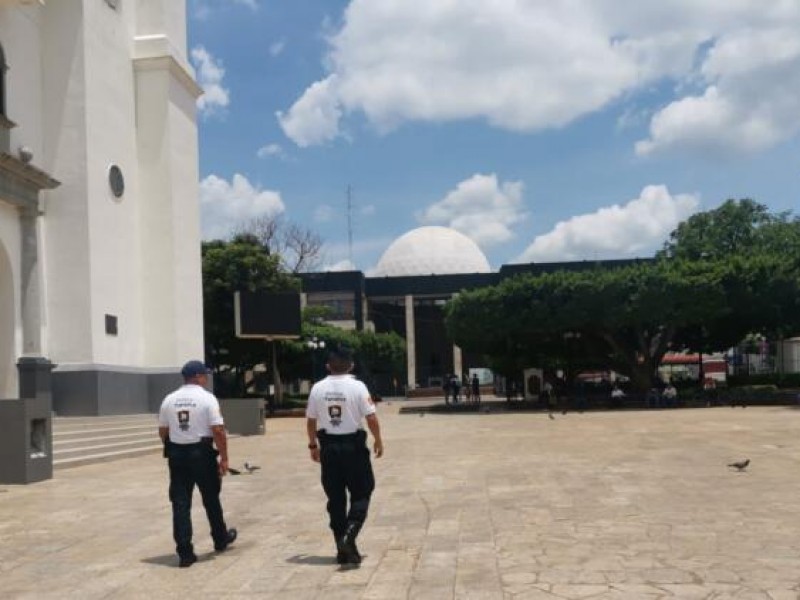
{"type": "Point", "coordinates": [315, 344]}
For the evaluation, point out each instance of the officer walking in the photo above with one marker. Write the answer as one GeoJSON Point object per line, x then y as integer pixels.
{"type": "Point", "coordinates": [336, 406]}
{"type": "Point", "coordinates": [190, 424]}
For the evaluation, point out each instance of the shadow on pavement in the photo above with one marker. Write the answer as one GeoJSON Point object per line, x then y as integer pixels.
{"type": "Point", "coordinates": [171, 560]}
{"type": "Point", "coordinates": [308, 559]}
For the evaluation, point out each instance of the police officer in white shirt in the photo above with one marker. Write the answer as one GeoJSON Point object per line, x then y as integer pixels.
{"type": "Point", "coordinates": [190, 424]}
{"type": "Point", "coordinates": [336, 407]}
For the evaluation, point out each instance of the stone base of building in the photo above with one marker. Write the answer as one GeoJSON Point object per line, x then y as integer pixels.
{"type": "Point", "coordinates": [97, 390]}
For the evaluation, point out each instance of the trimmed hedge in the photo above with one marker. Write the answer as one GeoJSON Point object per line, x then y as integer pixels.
{"type": "Point", "coordinates": [780, 380]}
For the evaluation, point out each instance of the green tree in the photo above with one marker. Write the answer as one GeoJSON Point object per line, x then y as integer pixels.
{"type": "Point", "coordinates": [229, 266]}
{"type": "Point", "coordinates": [379, 357]}
{"type": "Point", "coordinates": [723, 274]}
{"type": "Point", "coordinates": [626, 317]}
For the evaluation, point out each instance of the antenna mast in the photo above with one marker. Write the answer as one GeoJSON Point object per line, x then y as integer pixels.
{"type": "Point", "coordinates": [350, 223]}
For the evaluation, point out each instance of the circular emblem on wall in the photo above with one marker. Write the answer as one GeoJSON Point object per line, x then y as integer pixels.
{"type": "Point", "coordinates": [116, 181]}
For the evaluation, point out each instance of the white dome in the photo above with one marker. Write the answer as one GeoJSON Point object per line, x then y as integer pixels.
{"type": "Point", "coordinates": [432, 251]}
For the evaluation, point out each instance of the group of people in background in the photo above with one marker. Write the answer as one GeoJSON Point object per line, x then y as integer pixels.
{"type": "Point", "coordinates": [453, 387]}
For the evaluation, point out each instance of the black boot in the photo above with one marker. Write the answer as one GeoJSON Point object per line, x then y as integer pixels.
{"type": "Point", "coordinates": [341, 555]}
{"type": "Point", "coordinates": [347, 544]}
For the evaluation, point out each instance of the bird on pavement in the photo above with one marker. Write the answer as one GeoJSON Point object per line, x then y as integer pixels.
{"type": "Point", "coordinates": [249, 467]}
{"type": "Point", "coordinates": [552, 418]}
{"type": "Point", "coordinates": [233, 471]}
{"type": "Point", "coordinates": [740, 465]}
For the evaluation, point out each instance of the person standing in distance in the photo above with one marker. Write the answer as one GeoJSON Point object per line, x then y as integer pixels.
{"type": "Point", "coordinates": [190, 425]}
{"type": "Point", "coordinates": [336, 407]}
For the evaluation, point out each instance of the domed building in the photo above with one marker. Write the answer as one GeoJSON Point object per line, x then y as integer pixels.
{"type": "Point", "coordinates": [405, 293]}
{"type": "Point", "coordinates": [431, 251]}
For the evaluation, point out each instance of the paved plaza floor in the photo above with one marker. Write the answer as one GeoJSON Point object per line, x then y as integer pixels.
{"type": "Point", "coordinates": [637, 505]}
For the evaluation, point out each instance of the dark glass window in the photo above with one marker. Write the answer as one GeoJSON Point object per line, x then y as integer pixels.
{"type": "Point", "coordinates": [111, 324]}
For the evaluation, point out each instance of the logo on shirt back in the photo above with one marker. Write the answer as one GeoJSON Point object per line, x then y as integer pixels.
{"type": "Point", "coordinates": [183, 420]}
{"type": "Point", "coordinates": [335, 414]}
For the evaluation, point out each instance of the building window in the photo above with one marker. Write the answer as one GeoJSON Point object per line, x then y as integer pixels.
{"type": "Point", "coordinates": [111, 325]}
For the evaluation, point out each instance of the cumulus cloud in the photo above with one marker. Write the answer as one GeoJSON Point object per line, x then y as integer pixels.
{"type": "Point", "coordinates": [527, 66]}
{"type": "Point", "coordinates": [314, 118]}
{"type": "Point", "coordinates": [209, 76]}
{"type": "Point", "coordinates": [751, 101]}
{"type": "Point", "coordinates": [224, 205]}
{"type": "Point", "coordinates": [635, 229]}
{"type": "Point", "coordinates": [270, 150]}
{"type": "Point", "coordinates": [480, 207]}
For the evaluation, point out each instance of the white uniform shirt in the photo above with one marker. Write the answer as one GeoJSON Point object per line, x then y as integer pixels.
{"type": "Point", "coordinates": [338, 403]}
{"type": "Point", "coordinates": [189, 412]}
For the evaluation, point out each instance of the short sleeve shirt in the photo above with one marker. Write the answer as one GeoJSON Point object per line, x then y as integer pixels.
{"type": "Point", "coordinates": [339, 403]}
{"type": "Point", "coordinates": [190, 412]}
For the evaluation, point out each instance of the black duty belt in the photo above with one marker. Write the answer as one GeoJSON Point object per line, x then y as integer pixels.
{"type": "Point", "coordinates": [324, 436]}
{"type": "Point", "coordinates": [204, 441]}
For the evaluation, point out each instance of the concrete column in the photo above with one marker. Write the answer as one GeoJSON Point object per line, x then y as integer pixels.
{"type": "Point", "coordinates": [303, 300]}
{"type": "Point", "coordinates": [30, 294]}
{"type": "Point", "coordinates": [457, 366]}
{"type": "Point", "coordinates": [411, 347]}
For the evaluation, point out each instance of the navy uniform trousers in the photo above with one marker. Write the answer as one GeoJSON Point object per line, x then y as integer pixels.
{"type": "Point", "coordinates": [190, 465]}
{"type": "Point", "coordinates": [346, 467]}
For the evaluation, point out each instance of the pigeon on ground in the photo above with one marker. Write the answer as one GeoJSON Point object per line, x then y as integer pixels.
{"type": "Point", "coordinates": [233, 471]}
{"type": "Point", "coordinates": [741, 465]}
{"type": "Point", "coordinates": [250, 467]}
{"type": "Point", "coordinates": [552, 418]}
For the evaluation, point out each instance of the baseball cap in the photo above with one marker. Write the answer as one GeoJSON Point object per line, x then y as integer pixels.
{"type": "Point", "coordinates": [341, 352]}
{"type": "Point", "coordinates": [193, 368]}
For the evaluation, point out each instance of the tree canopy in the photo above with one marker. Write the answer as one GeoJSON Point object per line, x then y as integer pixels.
{"type": "Point", "coordinates": [718, 278]}
{"type": "Point", "coordinates": [228, 266]}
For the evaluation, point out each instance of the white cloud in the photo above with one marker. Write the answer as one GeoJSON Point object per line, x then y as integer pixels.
{"type": "Point", "coordinates": [636, 229]}
{"type": "Point", "coordinates": [751, 101]}
{"type": "Point", "coordinates": [481, 208]}
{"type": "Point", "coordinates": [209, 76]}
{"type": "Point", "coordinates": [527, 66]}
{"type": "Point", "coordinates": [276, 48]}
{"type": "Point", "coordinates": [324, 213]}
{"type": "Point", "coordinates": [202, 9]}
{"type": "Point", "coordinates": [270, 150]}
{"type": "Point", "coordinates": [314, 118]}
{"type": "Point", "coordinates": [342, 265]}
{"type": "Point", "coordinates": [224, 205]}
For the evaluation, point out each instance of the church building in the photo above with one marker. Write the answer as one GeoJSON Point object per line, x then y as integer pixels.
{"type": "Point", "coordinates": [100, 272]}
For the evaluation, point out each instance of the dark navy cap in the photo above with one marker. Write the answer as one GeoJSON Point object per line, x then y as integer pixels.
{"type": "Point", "coordinates": [193, 368]}
{"type": "Point", "coordinates": [341, 352]}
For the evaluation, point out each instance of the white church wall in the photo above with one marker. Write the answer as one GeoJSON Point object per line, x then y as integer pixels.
{"type": "Point", "coordinates": [65, 231]}
{"type": "Point", "coordinates": [115, 270]}
{"type": "Point", "coordinates": [10, 323]}
{"type": "Point", "coordinates": [185, 192]}
{"type": "Point", "coordinates": [20, 36]}
{"type": "Point", "coordinates": [170, 222]}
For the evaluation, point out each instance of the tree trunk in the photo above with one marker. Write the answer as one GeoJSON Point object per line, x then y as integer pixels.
{"type": "Point", "coordinates": [276, 374]}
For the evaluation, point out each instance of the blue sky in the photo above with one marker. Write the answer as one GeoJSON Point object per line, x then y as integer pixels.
{"type": "Point", "coordinates": [543, 131]}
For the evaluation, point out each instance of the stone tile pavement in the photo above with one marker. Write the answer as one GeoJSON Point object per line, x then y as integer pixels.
{"type": "Point", "coordinates": [636, 505]}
